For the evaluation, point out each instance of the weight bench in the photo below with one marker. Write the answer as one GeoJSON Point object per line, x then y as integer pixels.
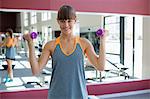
{"type": "Point", "coordinates": [119, 71]}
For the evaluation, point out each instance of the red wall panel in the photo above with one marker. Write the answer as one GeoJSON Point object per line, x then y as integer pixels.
{"type": "Point", "coordinates": [28, 94]}
{"type": "Point", "coordinates": [0, 3]}
{"type": "Point", "coordinates": [101, 6]}
{"type": "Point", "coordinates": [26, 4]}
{"type": "Point", "coordinates": [118, 87]}
{"type": "Point", "coordinates": [141, 7]}
{"type": "Point", "coordinates": [93, 89]}
{"type": "Point", "coordinates": [149, 6]}
{"type": "Point", "coordinates": [106, 6]}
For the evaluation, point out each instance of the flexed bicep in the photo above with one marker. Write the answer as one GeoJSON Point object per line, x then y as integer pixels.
{"type": "Point", "coordinates": [90, 53]}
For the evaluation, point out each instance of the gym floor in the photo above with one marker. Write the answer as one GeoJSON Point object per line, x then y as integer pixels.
{"type": "Point", "coordinates": [128, 95]}
{"type": "Point", "coordinates": [23, 79]}
{"type": "Point", "coordinates": [23, 76]}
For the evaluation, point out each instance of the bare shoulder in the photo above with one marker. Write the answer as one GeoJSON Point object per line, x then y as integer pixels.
{"type": "Point", "coordinates": [85, 43]}
{"type": "Point", "coordinates": [50, 46]}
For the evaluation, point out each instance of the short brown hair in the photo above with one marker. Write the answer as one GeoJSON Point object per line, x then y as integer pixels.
{"type": "Point", "coordinates": [66, 12]}
{"type": "Point", "coordinates": [10, 31]}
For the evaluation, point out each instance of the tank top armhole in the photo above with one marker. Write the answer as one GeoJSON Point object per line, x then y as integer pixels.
{"type": "Point", "coordinates": [79, 42]}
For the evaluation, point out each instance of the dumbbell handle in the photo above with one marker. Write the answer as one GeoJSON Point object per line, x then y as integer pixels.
{"type": "Point", "coordinates": [100, 32]}
{"type": "Point", "coordinates": [33, 35]}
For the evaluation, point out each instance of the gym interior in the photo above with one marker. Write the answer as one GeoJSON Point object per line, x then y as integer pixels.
{"type": "Point", "coordinates": [127, 70]}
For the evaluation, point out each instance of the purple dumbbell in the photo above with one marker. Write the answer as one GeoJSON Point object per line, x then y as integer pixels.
{"type": "Point", "coordinates": [100, 32]}
{"type": "Point", "coordinates": [33, 35]}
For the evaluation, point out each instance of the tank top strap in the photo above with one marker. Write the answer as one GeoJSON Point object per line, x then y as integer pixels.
{"type": "Point", "coordinates": [57, 41]}
{"type": "Point", "coordinates": [78, 39]}
{"type": "Point", "coordinates": [79, 42]}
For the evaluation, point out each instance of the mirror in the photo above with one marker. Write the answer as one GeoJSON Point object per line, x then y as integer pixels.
{"type": "Point", "coordinates": [123, 46]}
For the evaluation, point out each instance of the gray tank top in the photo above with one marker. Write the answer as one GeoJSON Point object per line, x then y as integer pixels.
{"type": "Point", "coordinates": [68, 77]}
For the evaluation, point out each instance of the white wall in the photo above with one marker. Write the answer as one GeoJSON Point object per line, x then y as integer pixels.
{"type": "Point", "coordinates": [146, 48]}
{"type": "Point", "coordinates": [85, 20]}
{"type": "Point", "coordinates": [89, 21]}
{"type": "Point", "coordinates": [54, 23]}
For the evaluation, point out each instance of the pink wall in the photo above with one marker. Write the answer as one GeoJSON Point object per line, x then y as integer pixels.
{"type": "Point", "coordinates": [26, 4]}
{"type": "Point", "coordinates": [118, 87]}
{"type": "Point", "coordinates": [102, 6]}
{"type": "Point", "coordinates": [149, 6]}
{"type": "Point", "coordinates": [29, 94]}
{"type": "Point", "coordinates": [0, 3]}
{"type": "Point", "coordinates": [106, 6]}
{"type": "Point", "coordinates": [93, 89]}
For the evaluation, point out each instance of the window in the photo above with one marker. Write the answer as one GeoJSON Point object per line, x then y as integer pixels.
{"type": "Point", "coordinates": [46, 34]}
{"type": "Point", "coordinates": [33, 17]}
{"type": "Point", "coordinates": [46, 16]}
{"type": "Point", "coordinates": [124, 42]}
{"type": "Point", "coordinates": [138, 47]}
{"type": "Point", "coordinates": [26, 19]}
{"type": "Point", "coordinates": [129, 43]}
{"type": "Point", "coordinates": [112, 25]}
